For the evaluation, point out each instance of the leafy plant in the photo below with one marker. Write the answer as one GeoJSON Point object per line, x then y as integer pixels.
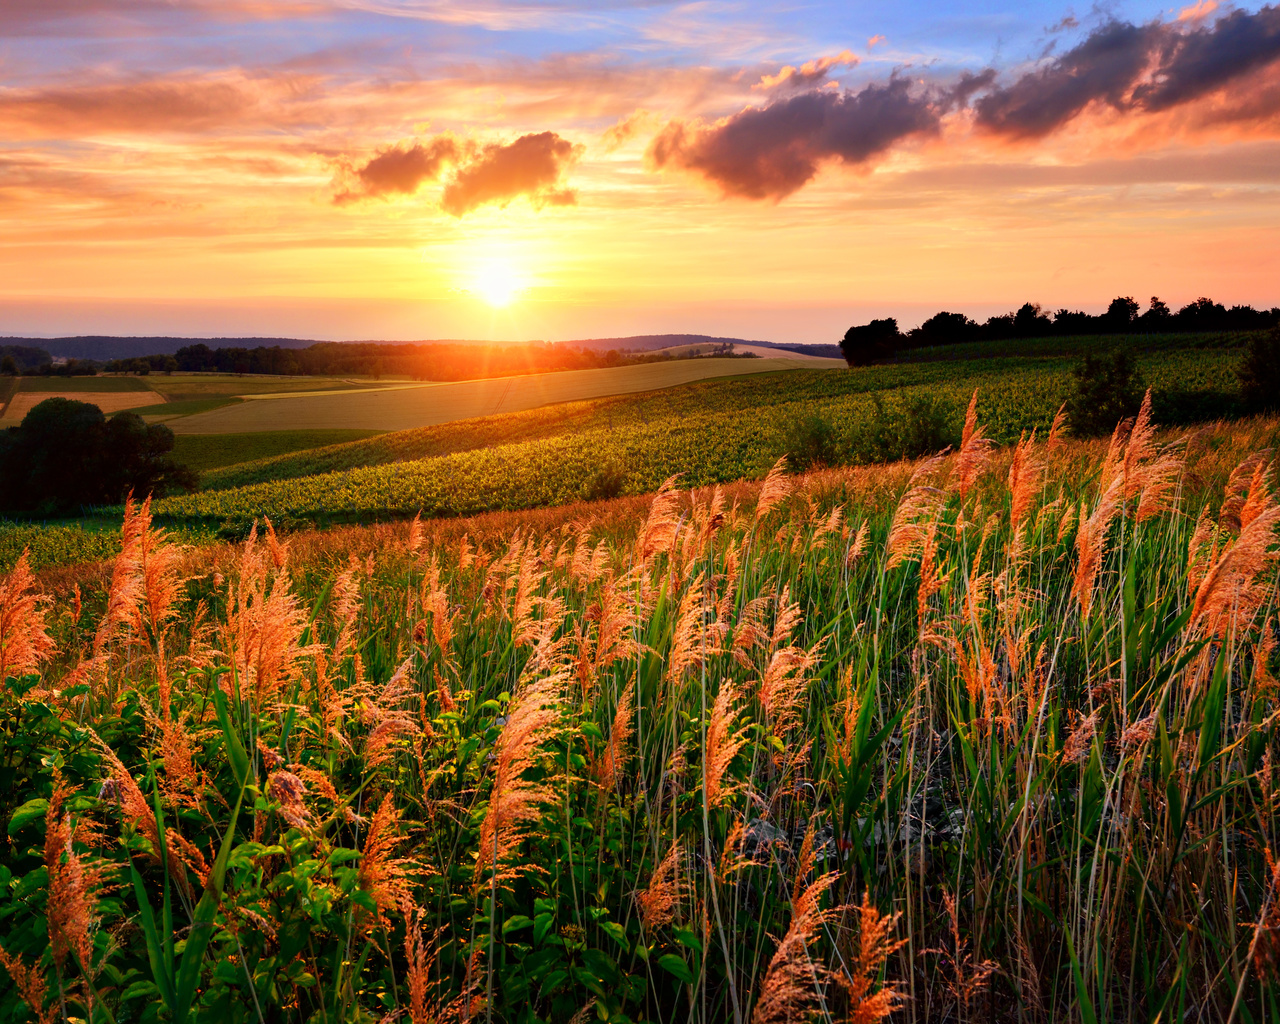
{"type": "Point", "coordinates": [1259, 371]}
{"type": "Point", "coordinates": [1107, 390]}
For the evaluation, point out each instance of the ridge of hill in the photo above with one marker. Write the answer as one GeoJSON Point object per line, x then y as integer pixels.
{"type": "Point", "coordinates": [103, 347]}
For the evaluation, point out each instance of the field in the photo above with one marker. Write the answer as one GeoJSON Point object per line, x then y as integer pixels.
{"type": "Point", "coordinates": [108, 401]}
{"type": "Point", "coordinates": [401, 406]}
{"type": "Point", "coordinates": [986, 737]}
{"type": "Point", "coordinates": [203, 452]}
{"type": "Point", "coordinates": [709, 432]}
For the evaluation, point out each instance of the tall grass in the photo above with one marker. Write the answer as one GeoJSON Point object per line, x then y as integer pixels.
{"type": "Point", "coordinates": [990, 736]}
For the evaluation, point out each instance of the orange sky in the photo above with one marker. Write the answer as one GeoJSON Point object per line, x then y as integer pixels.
{"type": "Point", "coordinates": [423, 170]}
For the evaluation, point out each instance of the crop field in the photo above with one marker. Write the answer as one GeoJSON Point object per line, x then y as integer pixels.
{"type": "Point", "coordinates": [108, 401]}
{"type": "Point", "coordinates": [203, 452]}
{"type": "Point", "coordinates": [710, 432]}
{"type": "Point", "coordinates": [986, 737]}
{"type": "Point", "coordinates": [190, 386]}
{"type": "Point", "coordinates": [70, 385]}
{"type": "Point", "coordinates": [401, 407]}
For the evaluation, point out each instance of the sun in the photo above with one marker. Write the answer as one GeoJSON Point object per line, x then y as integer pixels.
{"type": "Point", "coordinates": [498, 283]}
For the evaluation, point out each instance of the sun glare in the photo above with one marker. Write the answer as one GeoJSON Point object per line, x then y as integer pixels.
{"type": "Point", "coordinates": [498, 283]}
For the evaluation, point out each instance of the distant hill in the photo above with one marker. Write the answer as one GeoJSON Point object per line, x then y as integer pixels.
{"type": "Point", "coordinates": [104, 347]}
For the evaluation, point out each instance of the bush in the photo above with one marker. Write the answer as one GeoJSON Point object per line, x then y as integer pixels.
{"type": "Point", "coordinates": [1108, 390]}
{"type": "Point", "coordinates": [906, 427]}
{"type": "Point", "coordinates": [871, 342]}
{"type": "Point", "coordinates": [606, 482]}
{"type": "Point", "coordinates": [1259, 371]}
{"type": "Point", "coordinates": [811, 442]}
{"type": "Point", "coordinates": [67, 454]}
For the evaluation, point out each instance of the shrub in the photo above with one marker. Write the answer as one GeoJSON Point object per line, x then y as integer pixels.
{"type": "Point", "coordinates": [606, 482]}
{"type": "Point", "coordinates": [66, 454]}
{"type": "Point", "coordinates": [1108, 389]}
{"type": "Point", "coordinates": [905, 427]}
{"type": "Point", "coordinates": [811, 442]}
{"type": "Point", "coordinates": [1259, 371]}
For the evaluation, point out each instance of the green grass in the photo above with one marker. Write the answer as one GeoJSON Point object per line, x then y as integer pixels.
{"type": "Point", "coordinates": [455, 760]}
{"type": "Point", "coordinates": [95, 384]}
{"type": "Point", "coordinates": [8, 388]}
{"type": "Point", "coordinates": [203, 452]}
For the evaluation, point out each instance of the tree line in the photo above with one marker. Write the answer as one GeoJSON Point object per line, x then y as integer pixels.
{"type": "Point", "coordinates": [437, 361]}
{"type": "Point", "coordinates": [880, 339]}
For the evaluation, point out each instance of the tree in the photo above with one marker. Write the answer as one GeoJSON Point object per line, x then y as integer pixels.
{"type": "Point", "coordinates": [943, 329]}
{"type": "Point", "coordinates": [9, 366]}
{"type": "Point", "coordinates": [1122, 312]}
{"type": "Point", "coordinates": [1030, 322]}
{"type": "Point", "coordinates": [66, 454]}
{"type": "Point", "coordinates": [1157, 314]}
{"type": "Point", "coordinates": [1259, 371]}
{"type": "Point", "coordinates": [1108, 389]}
{"type": "Point", "coordinates": [870, 342]}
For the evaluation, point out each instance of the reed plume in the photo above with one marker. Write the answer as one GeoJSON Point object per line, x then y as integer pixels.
{"type": "Point", "coordinates": [31, 987]}
{"type": "Point", "coordinates": [24, 643]}
{"type": "Point", "coordinates": [975, 450]}
{"type": "Point", "coordinates": [514, 801]}
{"type": "Point", "coordinates": [658, 534]}
{"type": "Point", "coordinates": [610, 766]}
{"type": "Point", "coordinates": [774, 490]}
{"type": "Point", "coordinates": [661, 899]}
{"type": "Point", "coordinates": [383, 875]}
{"type": "Point", "coordinates": [792, 985]}
{"type": "Point", "coordinates": [723, 744]}
{"type": "Point", "coordinates": [875, 945]}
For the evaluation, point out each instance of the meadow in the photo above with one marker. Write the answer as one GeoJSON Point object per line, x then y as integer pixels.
{"type": "Point", "coordinates": [988, 736]}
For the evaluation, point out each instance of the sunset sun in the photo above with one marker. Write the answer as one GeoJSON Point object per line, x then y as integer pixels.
{"type": "Point", "coordinates": [498, 283]}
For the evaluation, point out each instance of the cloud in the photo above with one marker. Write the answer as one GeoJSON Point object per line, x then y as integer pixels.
{"type": "Point", "coordinates": [618, 135]}
{"type": "Point", "coordinates": [876, 40]}
{"type": "Point", "coordinates": [401, 169]}
{"type": "Point", "coordinates": [770, 152]}
{"type": "Point", "coordinates": [531, 166]}
{"type": "Point", "coordinates": [1127, 67]}
{"type": "Point", "coordinates": [808, 74]}
{"type": "Point", "coordinates": [177, 104]}
{"type": "Point", "coordinates": [1198, 11]}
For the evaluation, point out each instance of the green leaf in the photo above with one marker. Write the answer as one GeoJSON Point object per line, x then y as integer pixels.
{"type": "Point", "coordinates": [516, 923]}
{"type": "Point", "coordinates": [676, 966]}
{"type": "Point", "coordinates": [27, 813]}
{"type": "Point", "coordinates": [541, 925]}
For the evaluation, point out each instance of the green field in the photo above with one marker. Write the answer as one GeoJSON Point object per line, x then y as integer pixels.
{"type": "Point", "coordinates": [401, 406]}
{"type": "Point", "coordinates": [203, 452]}
{"type": "Point", "coordinates": [709, 432]}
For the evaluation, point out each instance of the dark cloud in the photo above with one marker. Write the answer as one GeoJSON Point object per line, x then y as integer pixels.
{"type": "Point", "coordinates": [1104, 67]}
{"type": "Point", "coordinates": [769, 152]}
{"type": "Point", "coordinates": [1205, 59]}
{"type": "Point", "coordinates": [1128, 67]}
{"type": "Point", "coordinates": [531, 166]}
{"type": "Point", "coordinates": [401, 169]}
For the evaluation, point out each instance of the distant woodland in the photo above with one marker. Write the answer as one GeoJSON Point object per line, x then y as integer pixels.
{"type": "Point", "coordinates": [880, 339]}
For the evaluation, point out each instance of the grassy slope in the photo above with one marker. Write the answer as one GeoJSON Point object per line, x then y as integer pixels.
{"type": "Point", "coordinates": [416, 406]}
{"type": "Point", "coordinates": [203, 452]}
{"type": "Point", "coordinates": [708, 433]}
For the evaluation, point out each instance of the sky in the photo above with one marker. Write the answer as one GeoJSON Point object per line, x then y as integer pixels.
{"type": "Point", "coordinates": [557, 169]}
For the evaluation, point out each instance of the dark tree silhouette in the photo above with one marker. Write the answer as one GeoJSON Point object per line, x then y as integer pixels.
{"type": "Point", "coordinates": [871, 342]}
{"type": "Point", "coordinates": [67, 454]}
